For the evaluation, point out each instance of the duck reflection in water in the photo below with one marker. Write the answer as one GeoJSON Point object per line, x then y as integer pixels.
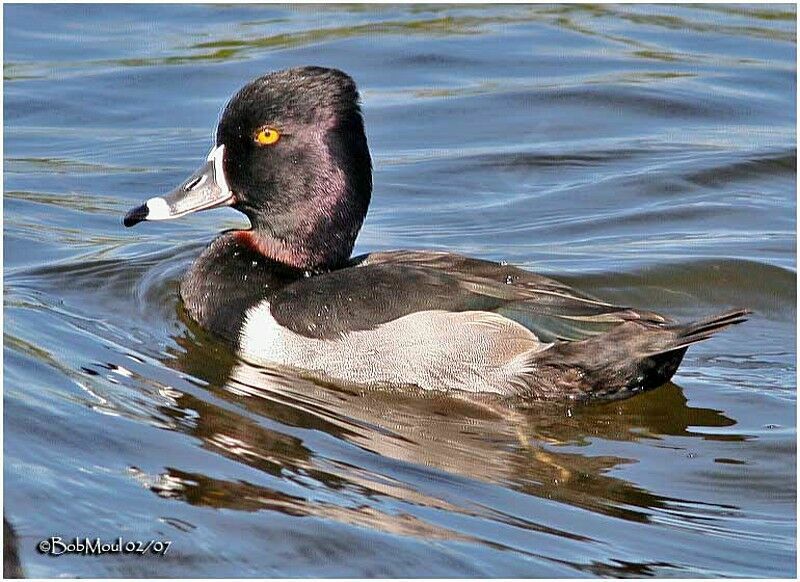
{"type": "Point", "coordinates": [530, 448]}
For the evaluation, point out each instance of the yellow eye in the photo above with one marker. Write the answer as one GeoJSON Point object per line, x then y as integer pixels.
{"type": "Point", "coordinates": [267, 136]}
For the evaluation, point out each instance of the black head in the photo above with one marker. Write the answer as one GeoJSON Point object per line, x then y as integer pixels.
{"type": "Point", "coordinates": [295, 161]}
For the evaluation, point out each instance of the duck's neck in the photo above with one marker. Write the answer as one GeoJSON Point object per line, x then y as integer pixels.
{"type": "Point", "coordinates": [314, 250]}
{"type": "Point", "coordinates": [275, 249]}
{"type": "Point", "coordinates": [316, 234]}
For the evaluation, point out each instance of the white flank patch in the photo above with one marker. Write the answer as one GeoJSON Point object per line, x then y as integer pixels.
{"type": "Point", "coordinates": [471, 350]}
{"type": "Point", "coordinates": [261, 337]}
{"type": "Point", "coordinates": [158, 209]}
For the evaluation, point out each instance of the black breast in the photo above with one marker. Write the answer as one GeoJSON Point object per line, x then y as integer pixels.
{"type": "Point", "coordinates": [226, 281]}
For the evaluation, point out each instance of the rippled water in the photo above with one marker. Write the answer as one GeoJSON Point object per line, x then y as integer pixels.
{"type": "Point", "coordinates": [645, 154]}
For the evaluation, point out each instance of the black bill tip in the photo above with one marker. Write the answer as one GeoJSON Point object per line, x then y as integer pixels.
{"type": "Point", "coordinates": [136, 215]}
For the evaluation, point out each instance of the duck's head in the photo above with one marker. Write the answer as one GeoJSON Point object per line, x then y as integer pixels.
{"type": "Point", "coordinates": [291, 154]}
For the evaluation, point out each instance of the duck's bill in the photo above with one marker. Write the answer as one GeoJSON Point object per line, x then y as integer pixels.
{"type": "Point", "coordinates": [206, 188]}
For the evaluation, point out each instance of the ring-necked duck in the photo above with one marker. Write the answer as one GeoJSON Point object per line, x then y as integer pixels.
{"type": "Point", "coordinates": [291, 154]}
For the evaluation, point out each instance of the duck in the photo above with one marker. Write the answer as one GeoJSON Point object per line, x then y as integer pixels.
{"type": "Point", "coordinates": [291, 154]}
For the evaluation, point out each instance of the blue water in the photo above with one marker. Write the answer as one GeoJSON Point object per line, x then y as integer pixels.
{"type": "Point", "coordinates": [645, 154]}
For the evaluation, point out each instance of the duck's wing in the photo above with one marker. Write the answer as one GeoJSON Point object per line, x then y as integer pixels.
{"type": "Point", "coordinates": [548, 307]}
{"type": "Point", "coordinates": [381, 287]}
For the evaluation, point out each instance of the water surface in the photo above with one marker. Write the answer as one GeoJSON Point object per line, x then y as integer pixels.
{"type": "Point", "coordinates": [644, 154]}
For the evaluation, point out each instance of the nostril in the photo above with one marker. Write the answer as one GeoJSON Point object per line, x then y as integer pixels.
{"type": "Point", "coordinates": [193, 183]}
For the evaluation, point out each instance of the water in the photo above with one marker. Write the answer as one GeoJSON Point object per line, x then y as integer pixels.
{"type": "Point", "coordinates": [645, 154]}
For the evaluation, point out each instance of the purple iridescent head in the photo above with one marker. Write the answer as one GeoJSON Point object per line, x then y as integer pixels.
{"type": "Point", "coordinates": [291, 154]}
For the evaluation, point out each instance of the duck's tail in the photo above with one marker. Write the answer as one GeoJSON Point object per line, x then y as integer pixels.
{"type": "Point", "coordinates": [697, 331]}
{"type": "Point", "coordinates": [631, 358]}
